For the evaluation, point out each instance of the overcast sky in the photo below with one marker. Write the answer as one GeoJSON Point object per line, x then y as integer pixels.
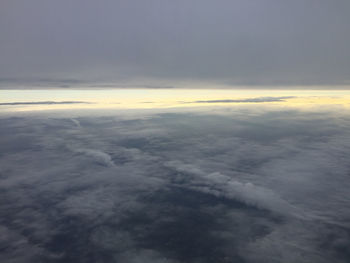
{"type": "Point", "coordinates": [166, 43]}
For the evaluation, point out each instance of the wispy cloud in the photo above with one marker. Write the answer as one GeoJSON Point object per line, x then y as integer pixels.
{"type": "Point", "coordinates": [99, 156]}
{"type": "Point", "coordinates": [249, 100]}
{"type": "Point", "coordinates": [42, 103]}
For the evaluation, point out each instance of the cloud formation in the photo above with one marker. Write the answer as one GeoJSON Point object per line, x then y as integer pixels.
{"type": "Point", "coordinates": [224, 186]}
{"type": "Point", "coordinates": [250, 100]}
{"type": "Point", "coordinates": [267, 185]}
{"type": "Point", "coordinates": [99, 156]}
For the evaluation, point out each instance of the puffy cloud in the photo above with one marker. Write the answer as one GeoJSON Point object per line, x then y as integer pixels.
{"type": "Point", "coordinates": [99, 156]}
{"type": "Point", "coordinates": [246, 192]}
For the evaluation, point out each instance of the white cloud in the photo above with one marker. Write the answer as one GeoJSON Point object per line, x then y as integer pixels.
{"type": "Point", "coordinates": [99, 156]}
{"type": "Point", "coordinates": [221, 185]}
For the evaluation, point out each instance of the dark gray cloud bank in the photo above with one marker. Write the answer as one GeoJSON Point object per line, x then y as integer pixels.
{"type": "Point", "coordinates": [249, 100]}
{"type": "Point", "coordinates": [164, 43]}
{"type": "Point", "coordinates": [229, 186]}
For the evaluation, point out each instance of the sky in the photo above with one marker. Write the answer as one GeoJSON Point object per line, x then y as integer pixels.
{"type": "Point", "coordinates": [175, 44]}
{"type": "Point", "coordinates": [161, 131]}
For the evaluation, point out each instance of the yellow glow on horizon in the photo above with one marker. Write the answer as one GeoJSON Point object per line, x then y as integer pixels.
{"type": "Point", "coordinates": [167, 98]}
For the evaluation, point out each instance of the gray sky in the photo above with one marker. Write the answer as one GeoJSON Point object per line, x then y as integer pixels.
{"type": "Point", "coordinates": [166, 43]}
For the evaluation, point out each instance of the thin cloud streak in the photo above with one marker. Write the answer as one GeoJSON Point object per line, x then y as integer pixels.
{"type": "Point", "coordinates": [43, 103]}
{"type": "Point", "coordinates": [250, 100]}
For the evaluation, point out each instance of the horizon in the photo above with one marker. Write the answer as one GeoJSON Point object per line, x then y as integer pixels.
{"type": "Point", "coordinates": [174, 131]}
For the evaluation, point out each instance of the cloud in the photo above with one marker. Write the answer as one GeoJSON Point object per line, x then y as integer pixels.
{"type": "Point", "coordinates": [76, 122]}
{"type": "Point", "coordinates": [252, 43]}
{"type": "Point", "coordinates": [250, 100]}
{"type": "Point", "coordinates": [245, 185]}
{"type": "Point", "coordinates": [220, 185]}
{"type": "Point", "coordinates": [42, 103]}
{"type": "Point", "coordinates": [99, 156]}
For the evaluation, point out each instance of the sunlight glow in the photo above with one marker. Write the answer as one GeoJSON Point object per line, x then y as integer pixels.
{"type": "Point", "coordinates": [165, 98]}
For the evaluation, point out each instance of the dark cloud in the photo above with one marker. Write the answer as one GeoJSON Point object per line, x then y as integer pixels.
{"type": "Point", "coordinates": [225, 186]}
{"type": "Point", "coordinates": [165, 43]}
{"type": "Point", "coordinates": [250, 100]}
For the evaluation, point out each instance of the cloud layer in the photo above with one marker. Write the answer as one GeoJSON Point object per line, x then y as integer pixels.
{"type": "Point", "coordinates": [229, 186]}
{"type": "Point", "coordinates": [164, 43]}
